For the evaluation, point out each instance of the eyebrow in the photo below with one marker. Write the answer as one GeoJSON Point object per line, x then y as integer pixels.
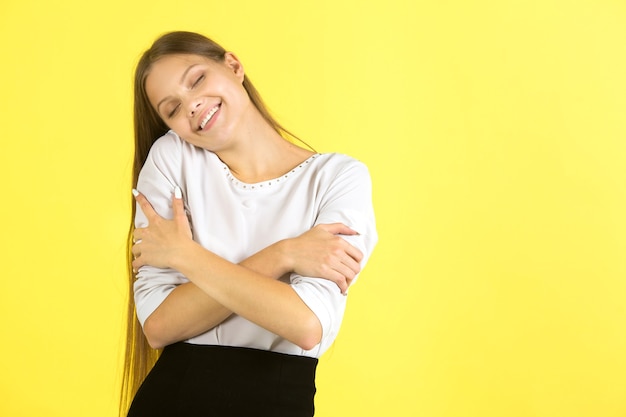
{"type": "Point", "coordinates": [182, 79]}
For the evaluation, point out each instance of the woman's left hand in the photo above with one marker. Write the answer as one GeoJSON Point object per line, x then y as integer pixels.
{"type": "Point", "coordinates": [162, 241]}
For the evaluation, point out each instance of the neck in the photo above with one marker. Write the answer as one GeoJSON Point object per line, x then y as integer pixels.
{"type": "Point", "coordinates": [261, 153]}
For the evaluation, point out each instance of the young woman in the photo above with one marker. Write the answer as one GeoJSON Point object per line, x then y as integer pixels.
{"type": "Point", "coordinates": [244, 244]}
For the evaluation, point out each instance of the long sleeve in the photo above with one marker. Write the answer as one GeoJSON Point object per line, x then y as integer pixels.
{"type": "Point", "coordinates": [157, 180]}
{"type": "Point", "coordinates": [348, 200]}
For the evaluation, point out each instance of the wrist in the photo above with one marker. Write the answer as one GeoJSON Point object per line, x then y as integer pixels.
{"type": "Point", "coordinates": [285, 262]}
{"type": "Point", "coordinates": [180, 257]}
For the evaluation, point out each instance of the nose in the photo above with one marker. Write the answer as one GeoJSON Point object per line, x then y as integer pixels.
{"type": "Point", "coordinates": [194, 107]}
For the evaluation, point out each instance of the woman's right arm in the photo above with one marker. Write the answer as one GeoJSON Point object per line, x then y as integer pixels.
{"type": "Point", "coordinates": [188, 311]}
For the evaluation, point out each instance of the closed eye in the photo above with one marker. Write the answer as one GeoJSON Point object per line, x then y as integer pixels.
{"type": "Point", "coordinates": [198, 81]}
{"type": "Point", "coordinates": [174, 111]}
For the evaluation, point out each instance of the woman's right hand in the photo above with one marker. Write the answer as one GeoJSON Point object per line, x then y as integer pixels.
{"type": "Point", "coordinates": [322, 253]}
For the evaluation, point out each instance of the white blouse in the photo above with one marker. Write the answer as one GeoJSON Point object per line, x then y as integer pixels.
{"type": "Point", "coordinates": [234, 220]}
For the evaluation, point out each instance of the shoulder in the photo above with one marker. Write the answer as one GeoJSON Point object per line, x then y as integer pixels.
{"type": "Point", "coordinates": [171, 149]}
{"type": "Point", "coordinates": [164, 158]}
{"type": "Point", "coordinates": [167, 146]}
{"type": "Point", "coordinates": [337, 164]}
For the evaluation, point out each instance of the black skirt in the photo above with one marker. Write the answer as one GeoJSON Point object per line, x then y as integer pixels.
{"type": "Point", "coordinates": [218, 381]}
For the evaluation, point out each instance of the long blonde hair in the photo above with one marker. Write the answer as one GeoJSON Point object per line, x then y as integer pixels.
{"type": "Point", "coordinates": [140, 357]}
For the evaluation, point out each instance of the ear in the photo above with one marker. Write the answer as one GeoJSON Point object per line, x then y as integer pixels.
{"type": "Point", "coordinates": [233, 63]}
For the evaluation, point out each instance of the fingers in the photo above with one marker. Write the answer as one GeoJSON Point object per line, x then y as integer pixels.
{"type": "Point", "coordinates": [350, 267]}
{"type": "Point", "coordinates": [145, 205]}
{"type": "Point", "coordinates": [354, 253]}
{"type": "Point", "coordinates": [137, 262]}
{"type": "Point", "coordinates": [137, 233]}
{"type": "Point", "coordinates": [342, 229]}
{"type": "Point", "coordinates": [342, 270]}
{"type": "Point", "coordinates": [154, 242]}
{"type": "Point", "coordinates": [340, 280]}
{"type": "Point", "coordinates": [178, 205]}
{"type": "Point", "coordinates": [344, 246]}
{"type": "Point", "coordinates": [337, 229]}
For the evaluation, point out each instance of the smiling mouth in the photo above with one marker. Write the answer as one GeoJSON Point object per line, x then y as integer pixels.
{"type": "Point", "coordinates": [208, 117]}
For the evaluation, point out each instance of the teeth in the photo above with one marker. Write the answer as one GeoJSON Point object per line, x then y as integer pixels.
{"type": "Point", "coordinates": [208, 117]}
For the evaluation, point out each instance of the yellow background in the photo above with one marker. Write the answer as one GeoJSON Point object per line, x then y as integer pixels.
{"type": "Point", "coordinates": [496, 138]}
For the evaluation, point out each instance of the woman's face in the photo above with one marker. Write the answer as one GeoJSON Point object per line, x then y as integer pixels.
{"type": "Point", "coordinates": [203, 101]}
